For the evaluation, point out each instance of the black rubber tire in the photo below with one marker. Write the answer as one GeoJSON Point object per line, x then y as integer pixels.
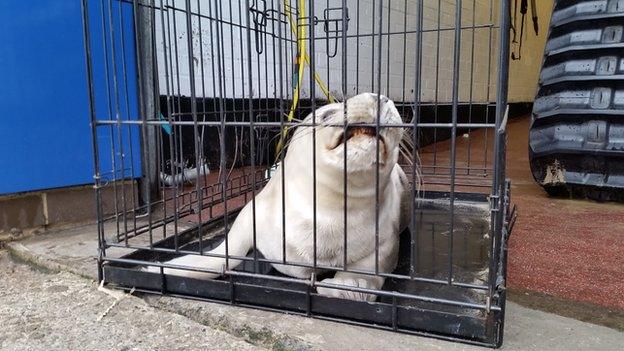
{"type": "Point", "coordinates": [576, 141]}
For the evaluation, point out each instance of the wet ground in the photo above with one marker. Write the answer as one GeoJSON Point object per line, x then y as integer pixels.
{"type": "Point", "coordinates": [457, 254]}
{"type": "Point", "coordinates": [563, 248]}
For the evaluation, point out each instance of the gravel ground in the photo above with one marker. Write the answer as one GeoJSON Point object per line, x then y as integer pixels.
{"type": "Point", "coordinates": [61, 311]}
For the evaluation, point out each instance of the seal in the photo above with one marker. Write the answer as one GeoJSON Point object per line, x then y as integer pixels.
{"type": "Point", "coordinates": [370, 246]}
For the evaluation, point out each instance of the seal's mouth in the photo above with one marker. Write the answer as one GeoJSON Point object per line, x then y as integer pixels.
{"type": "Point", "coordinates": [353, 131]}
{"type": "Point", "coordinates": [356, 131]}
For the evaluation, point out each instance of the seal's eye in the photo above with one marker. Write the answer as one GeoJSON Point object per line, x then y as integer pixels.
{"type": "Point", "coordinates": [326, 115]}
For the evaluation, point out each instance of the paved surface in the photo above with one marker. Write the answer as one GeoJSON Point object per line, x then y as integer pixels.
{"type": "Point", "coordinates": [561, 247]}
{"type": "Point", "coordinates": [62, 311]}
{"type": "Point", "coordinates": [78, 308]}
{"type": "Point", "coordinates": [526, 330]}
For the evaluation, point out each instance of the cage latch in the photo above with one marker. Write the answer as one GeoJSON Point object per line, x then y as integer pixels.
{"type": "Point", "coordinates": [500, 283]}
{"type": "Point", "coordinates": [511, 219]}
{"type": "Point", "coordinates": [312, 281]}
{"type": "Point", "coordinates": [494, 203]}
{"type": "Point", "coordinates": [511, 215]}
{"type": "Point", "coordinates": [259, 17]}
{"type": "Point", "coordinates": [333, 18]}
{"type": "Point", "coordinates": [96, 181]}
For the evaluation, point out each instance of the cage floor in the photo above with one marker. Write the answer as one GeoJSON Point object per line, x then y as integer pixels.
{"type": "Point", "coordinates": [456, 253]}
{"type": "Point", "coordinates": [436, 249]}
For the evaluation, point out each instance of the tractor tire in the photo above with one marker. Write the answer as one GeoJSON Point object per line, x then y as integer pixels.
{"type": "Point", "coordinates": [576, 140]}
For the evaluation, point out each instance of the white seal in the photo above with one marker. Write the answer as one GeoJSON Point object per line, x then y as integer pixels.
{"type": "Point", "coordinates": [330, 190]}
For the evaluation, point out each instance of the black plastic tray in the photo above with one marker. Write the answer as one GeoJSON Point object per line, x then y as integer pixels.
{"type": "Point", "coordinates": [405, 315]}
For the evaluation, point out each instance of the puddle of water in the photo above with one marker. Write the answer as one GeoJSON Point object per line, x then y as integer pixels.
{"type": "Point", "coordinates": [433, 238]}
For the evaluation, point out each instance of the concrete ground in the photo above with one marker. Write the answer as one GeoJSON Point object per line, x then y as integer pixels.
{"type": "Point", "coordinates": [42, 310]}
{"type": "Point", "coordinates": [63, 309]}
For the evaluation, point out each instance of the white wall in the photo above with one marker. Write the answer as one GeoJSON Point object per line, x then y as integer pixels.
{"type": "Point", "coordinates": [398, 84]}
{"type": "Point", "coordinates": [524, 73]}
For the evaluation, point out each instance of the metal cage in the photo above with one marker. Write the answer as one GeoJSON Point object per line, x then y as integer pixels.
{"type": "Point", "coordinates": [190, 101]}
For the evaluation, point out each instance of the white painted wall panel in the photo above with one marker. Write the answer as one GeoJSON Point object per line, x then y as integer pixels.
{"type": "Point", "coordinates": [477, 64]}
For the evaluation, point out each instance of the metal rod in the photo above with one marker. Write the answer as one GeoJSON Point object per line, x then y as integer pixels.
{"type": "Point", "coordinates": [377, 138]}
{"type": "Point", "coordinates": [252, 140]}
{"type": "Point", "coordinates": [416, 114]}
{"type": "Point", "coordinates": [499, 143]}
{"type": "Point", "coordinates": [455, 88]}
{"type": "Point", "coordinates": [94, 144]}
{"type": "Point", "coordinates": [302, 124]}
{"type": "Point", "coordinates": [345, 180]}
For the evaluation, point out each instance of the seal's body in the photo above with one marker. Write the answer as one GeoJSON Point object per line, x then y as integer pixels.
{"type": "Point", "coordinates": [298, 195]}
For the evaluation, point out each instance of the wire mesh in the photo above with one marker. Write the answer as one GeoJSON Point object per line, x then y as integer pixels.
{"type": "Point", "coordinates": [194, 105]}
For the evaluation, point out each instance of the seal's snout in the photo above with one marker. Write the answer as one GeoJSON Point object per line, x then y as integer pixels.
{"type": "Point", "coordinates": [362, 114]}
{"type": "Point", "coordinates": [362, 108]}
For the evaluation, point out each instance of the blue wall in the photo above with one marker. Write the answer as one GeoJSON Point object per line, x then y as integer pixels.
{"type": "Point", "coordinates": [45, 136]}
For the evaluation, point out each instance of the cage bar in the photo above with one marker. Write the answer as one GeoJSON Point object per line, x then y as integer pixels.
{"type": "Point", "coordinates": [222, 87]}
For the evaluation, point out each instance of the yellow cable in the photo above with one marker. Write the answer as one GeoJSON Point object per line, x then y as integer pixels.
{"type": "Point", "coordinates": [306, 57]}
{"type": "Point", "coordinates": [302, 59]}
{"type": "Point", "coordinates": [300, 54]}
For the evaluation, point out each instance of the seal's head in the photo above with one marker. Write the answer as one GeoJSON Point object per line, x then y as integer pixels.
{"type": "Point", "coordinates": [329, 137]}
{"type": "Point", "coordinates": [360, 137]}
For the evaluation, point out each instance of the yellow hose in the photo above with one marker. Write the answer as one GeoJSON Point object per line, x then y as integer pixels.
{"type": "Point", "coordinates": [302, 59]}
{"type": "Point", "coordinates": [306, 57]}
{"type": "Point", "coordinates": [301, 52]}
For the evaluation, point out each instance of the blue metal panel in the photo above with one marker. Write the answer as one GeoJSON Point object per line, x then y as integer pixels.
{"type": "Point", "coordinates": [45, 137]}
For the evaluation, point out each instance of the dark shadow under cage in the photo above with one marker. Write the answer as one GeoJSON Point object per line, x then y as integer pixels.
{"type": "Point", "coordinates": [196, 104]}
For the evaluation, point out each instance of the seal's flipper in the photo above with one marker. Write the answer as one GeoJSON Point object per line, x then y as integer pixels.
{"type": "Point", "coordinates": [238, 244]}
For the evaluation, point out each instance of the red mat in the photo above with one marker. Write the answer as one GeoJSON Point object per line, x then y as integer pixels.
{"type": "Point", "coordinates": [567, 248]}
